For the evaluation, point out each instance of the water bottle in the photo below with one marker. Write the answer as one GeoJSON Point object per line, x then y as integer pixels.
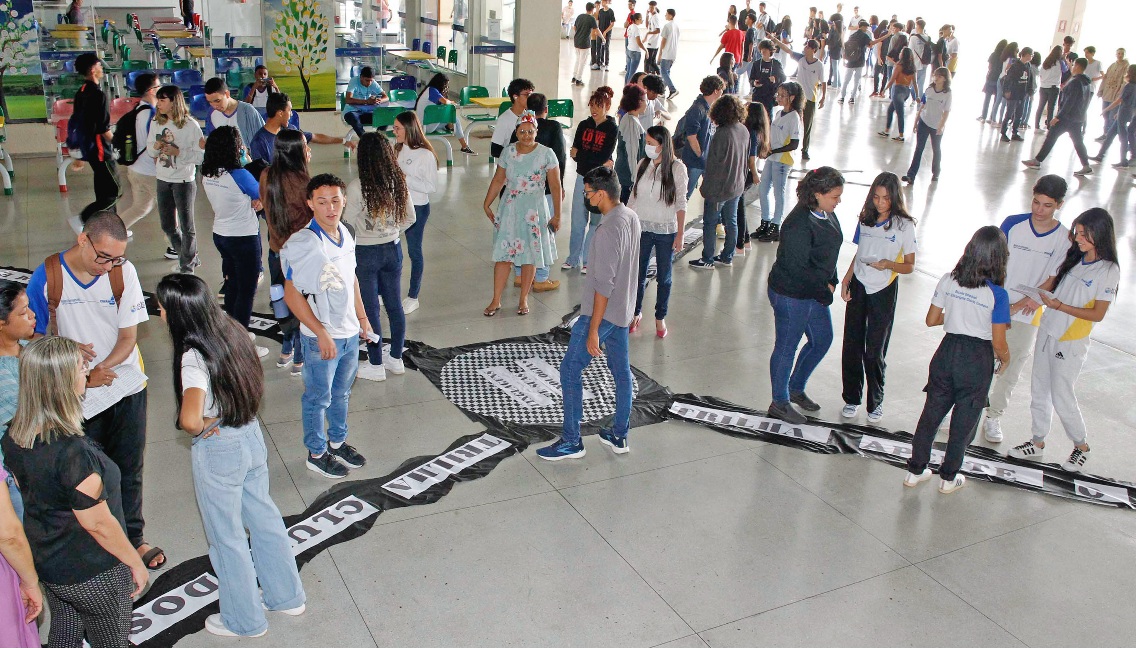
{"type": "Point", "coordinates": [128, 153]}
{"type": "Point", "coordinates": [276, 297]}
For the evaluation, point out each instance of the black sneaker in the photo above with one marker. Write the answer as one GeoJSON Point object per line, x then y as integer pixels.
{"type": "Point", "coordinates": [1017, 138]}
{"type": "Point", "coordinates": [760, 231]}
{"type": "Point", "coordinates": [702, 265]}
{"type": "Point", "coordinates": [772, 235]}
{"type": "Point", "coordinates": [719, 261]}
{"type": "Point", "coordinates": [171, 254]}
{"type": "Point", "coordinates": [327, 465]}
{"type": "Point", "coordinates": [347, 456]}
{"type": "Point", "coordinates": [805, 403]}
{"type": "Point", "coordinates": [786, 412]}
{"type": "Point", "coordinates": [1005, 138]}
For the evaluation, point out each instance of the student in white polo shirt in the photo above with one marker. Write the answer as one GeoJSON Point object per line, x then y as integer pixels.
{"type": "Point", "coordinates": [1038, 243]}
{"type": "Point", "coordinates": [100, 304]}
{"type": "Point", "coordinates": [885, 237]}
{"type": "Point", "coordinates": [974, 310]}
{"type": "Point", "coordinates": [1084, 287]}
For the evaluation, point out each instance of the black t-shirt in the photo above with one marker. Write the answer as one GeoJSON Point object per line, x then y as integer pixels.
{"type": "Point", "coordinates": [606, 18]}
{"type": "Point", "coordinates": [747, 49]}
{"type": "Point", "coordinates": [92, 111]}
{"type": "Point", "coordinates": [585, 23]}
{"type": "Point", "coordinates": [65, 553]}
{"type": "Point", "coordinates": [594, 144]}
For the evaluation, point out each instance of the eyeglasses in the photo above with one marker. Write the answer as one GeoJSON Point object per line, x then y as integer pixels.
{"type": "Point", "coordinates": [588, 192]}
{"type": "Point", "coordinates": [106, 259]}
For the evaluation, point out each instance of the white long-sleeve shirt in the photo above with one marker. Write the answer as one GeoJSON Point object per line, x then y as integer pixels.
{"type": "Point", "coordinates": [183, 166]}
{"type": "Point", "coordinates": [421, 170]}
{"type": "Point", "coordinates": [655, 215]}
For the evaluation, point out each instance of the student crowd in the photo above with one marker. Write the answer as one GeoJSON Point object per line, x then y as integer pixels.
{"type": "Point", "coordinates": [71, 517]}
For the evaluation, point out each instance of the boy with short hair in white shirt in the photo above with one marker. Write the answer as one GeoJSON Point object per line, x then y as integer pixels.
{"type": "Point", "coordinates": [1038, 243]}
{"type": "Point", "coordinates": [321, 289]}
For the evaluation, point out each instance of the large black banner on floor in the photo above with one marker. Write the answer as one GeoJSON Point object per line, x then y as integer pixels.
{"type": "Point", "coordinates": [895, 448]}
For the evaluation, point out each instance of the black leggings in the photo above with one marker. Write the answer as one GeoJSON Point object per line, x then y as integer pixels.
{"type": "Point", "coordinates": [879, 78]}
{"type": "Point", "coordinates": [867, 331]}
{"type": "Point", "coordinates": [1047, 100]}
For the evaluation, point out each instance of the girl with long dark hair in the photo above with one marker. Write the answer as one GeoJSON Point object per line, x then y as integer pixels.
{"type": "Point", "coordinates": [973, 308]}
{"type": "Point", "coordinates": [218, 386]}
{"type": "Point", "coordinates": [1083, 288]}
{"type": "Point", "coordinates": [801, 284]}
{"type": "Point", "coordinates": [419, 165]}
{"type": "Point", "coordinates": [998, 110]}
{"type": "Point", "coordinates": [380, 208]}
{"type": "Point", "coordinates": [885, 240]}
{"type": "Point", "coordinates": [284, 195]}
{"type": "Point", "coordinates": [934, 108]}
{"type": "Point", "coordinates": [993, 74]}
{"type": "Point", "coordinates": [900, 85]}
{"type": "Point", "coordinates": [1049, 86]}
{"type": "Point", "coordinates": [175, 140]}
{"type": "Point", "coordinates": [17, 327]}
{"type": "Point", "coordinates": [435, 94]}
{"type": "Point", "coordinates": [235, 196]}
{"type": "Point", "coordinates": [757, 124]}
{"type": "Point", "coordinates": [726, 72]}
{"type": "Point", "coordinates": [659, 198]}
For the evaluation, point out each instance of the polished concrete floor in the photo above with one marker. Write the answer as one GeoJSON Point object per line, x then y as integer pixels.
{"type": "Point", "coordinates": [694, 538]}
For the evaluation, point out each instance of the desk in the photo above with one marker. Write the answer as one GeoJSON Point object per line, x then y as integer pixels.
{"type": "Point", "coordinates": [413, 56]}
{"type": "Point", "coordinates": [181, 33]}
{"type": "Point", "coordinates": [67, 27]}
{"type": "Point", "coordinates": [489, 102]}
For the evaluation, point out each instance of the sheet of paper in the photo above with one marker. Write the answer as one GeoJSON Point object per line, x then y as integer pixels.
{"type": "Point", "coordinates": [1032, 292]}
{"type": "Point", "coordinates": [98, 399]}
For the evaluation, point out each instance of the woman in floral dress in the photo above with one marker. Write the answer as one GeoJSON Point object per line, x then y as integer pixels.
{"type": "Point", "coordinates": [524, 232]}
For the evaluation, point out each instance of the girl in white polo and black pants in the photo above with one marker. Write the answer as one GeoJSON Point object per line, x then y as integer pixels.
{"type": "Point", "coordinates": [974, 310]}
{"type": "Point", "coordinates": [1084, 287]}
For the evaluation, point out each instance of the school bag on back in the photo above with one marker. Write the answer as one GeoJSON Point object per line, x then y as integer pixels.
{"type": "Point", "coordinates": [928, 49]}
{"type": "Point", "coordinates": [53, 269]}
{"type": "Point", "coordinates": [127, 144]}
{"type": "Point", "coordinates": [679, 137]}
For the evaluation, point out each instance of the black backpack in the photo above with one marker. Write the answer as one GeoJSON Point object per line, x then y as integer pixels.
{"type": "Point", "coordinates": [853, 49]}
{"type": "Point", "coordinates": [928, 49]}
{"type": "Point", "coordinates": [125, 139]}
{"type": "Point", "coordinates": [679, 137]}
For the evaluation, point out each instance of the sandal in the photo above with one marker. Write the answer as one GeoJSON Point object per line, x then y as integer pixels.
{"type": "Point", "coordinates": [523, 311]}
{"type": "Point", "coordinates": [151, 555]}
{"type": "Point", "coordinates": [491, 311]}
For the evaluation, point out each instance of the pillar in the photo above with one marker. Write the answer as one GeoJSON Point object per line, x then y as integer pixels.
{"type": "Point", "coordinates": [538, 43]}
{"type": "Point", "coordinates": [1069, 18]}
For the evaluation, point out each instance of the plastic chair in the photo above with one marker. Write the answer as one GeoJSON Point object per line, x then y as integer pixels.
{"type": "Point", "coordinates": [441, 114]}
{"type": "Point", "coordinates": [382, 117]}
{"type": "Point", "coordinates": [199, 107]}
{"type": "Point", "coordinates": [61, 111]}
{"type": "Point", "coordinates": [416, 44]}
{"type": "Point", "coordinates": [403, 95]}
{"type": "Point", "coordinates": [6, 177]}
{"type": "Point", "coordinates": [426, 47]}
{"type": "Point", "coordinates": [441, 54]}
{"type": "Point", "coordinates": [404, 82]}
{"type": "Point", "coordinates": [175, 64]}
{"type": "Point", "coordinates": [119, 106]}
{"type": "Point", "coordinates": [468, 94]}
{"type": "Point", "coordinates": [561, 108]}
{"type": "Point", "coordinates": [453, 59]}
{"type": "Point", "coordinates": [130, 66]}
{"type": "Point", "coordinates": [505, 105]}
{"type": "Point", "coordinates": [186, 79]}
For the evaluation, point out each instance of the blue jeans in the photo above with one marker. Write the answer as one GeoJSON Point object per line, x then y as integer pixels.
{"type": "Point", "coordinates": [774, 176]}
{"type": "Point", "coordinates": [14, 494]}
{"type": "Point", "coordinates": [230, 478]}
{"type": "Point", "coordinates": [292, 345]}
{"type": "Point", "coordinates": [582, 221]}
{"type": "Point", "coordinates": [327, 390]}
{"type": "Point", "coordinates": [794, 318]}
{"type": "Point", "coordinates": [725, 212]}
{"type": "Point", "coordinates": [920, 84]}
{"type": "Point", "coordinates": [899, 95]}
{"type": "Point", "coordinates": [665, 68]}
{"type": "Point", "coordinates": [240, 266]}
{"type": "Point", "coordinates": [834, 71]}
{"type": "Point", "coordinates": [356, 119]}
{"type": "Point", "coordinates": [692, 176]}
{"type": "Point", "coordinates": [379, 269]}
{"type": "Point", "coordinates": [613, 340]}
{"type": "Point", "coordinates": [414, 235]}
{"type": "Point", "coordinates": [632, 65]}
{"type": "Point", "coordinates": [663, 246]}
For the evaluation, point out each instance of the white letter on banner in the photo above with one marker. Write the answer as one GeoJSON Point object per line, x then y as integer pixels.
{"type": "Point", "coordinates": [182, 602]}
{"type": "Point", "coordinates": [524, 394]}
{"type": "Point", "coordinates": [754, 423]}
{"type": "Point", "coordinates": [435, 471]}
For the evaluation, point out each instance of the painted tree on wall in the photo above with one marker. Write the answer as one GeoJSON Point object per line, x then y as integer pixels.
{"type": "Point", "coordinates": [19, 52]}
{"type": "Point", "coordinates": [300, 39]}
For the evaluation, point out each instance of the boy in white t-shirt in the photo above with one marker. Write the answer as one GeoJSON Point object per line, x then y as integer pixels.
{"type": "Point", "coordinates": [322, 291]}
{"type": "Point", "coordinates": [90, 274]}
{"type": "Point", "coordinates": [1038, 243]}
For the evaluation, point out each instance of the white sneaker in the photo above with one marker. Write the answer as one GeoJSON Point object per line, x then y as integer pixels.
{"type": "Point", "coordinates": [409, 305]}
{"type": "Point", "coordinates": [911, 480]}
{"type": "Point", "coordinates": [296, 611]}
{"type": "Point", "coordinates": [947, 487]}
{"type": "Point", "coordinates": [1076, 461]}
{"type": "Point", "coordinates": [394, 365]}
{"type": "Point", "coordinates": [849, 410]}
{"type": "Point", "coordinates": [1027, 451]}
{"type": "Point", "coordinates": [261, 351]}
{"type": "Point", "coordinates": [214, 625]}
{"type": "Point", "coordinates": [993, 430]}
{"type": "Point", "coordinates": [875, 415]}
{"type": "Point", "coordinates": [368, 371]}
{"type": "Point", "coordinates": [252, 336]}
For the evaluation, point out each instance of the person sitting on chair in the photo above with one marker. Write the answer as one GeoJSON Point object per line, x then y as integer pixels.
{"type": "Point", "coordinates": [363, 94]}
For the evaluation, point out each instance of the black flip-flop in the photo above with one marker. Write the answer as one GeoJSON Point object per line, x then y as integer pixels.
{"type": "Point", "coordinates": [150, 555]}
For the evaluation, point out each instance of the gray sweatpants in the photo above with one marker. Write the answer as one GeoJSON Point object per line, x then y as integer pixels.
{"type": "Point", "coordinates": [175, 209]}
{"type": "Point", "coordinates": [1020, 338]}
{"type": "Point", "coordinates": [1056, 365]}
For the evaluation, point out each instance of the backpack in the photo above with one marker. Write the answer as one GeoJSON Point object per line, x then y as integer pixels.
{"type": "Point", "coordinates": [854, 49]}
{"type": "Point", "coordinates": [678, 140]}
{"type": "Point", "coordinates": [125, 140]}
{"type": "Point", "coordinates": [53, 268]}
{"type": "Point", "coordinates": [928, 49]}
{"type": "Point", "coordinates": [77, 140]}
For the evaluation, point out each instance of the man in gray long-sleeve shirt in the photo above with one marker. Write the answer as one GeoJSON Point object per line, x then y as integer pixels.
{"type": "Point", "coordinates": [606, 309]}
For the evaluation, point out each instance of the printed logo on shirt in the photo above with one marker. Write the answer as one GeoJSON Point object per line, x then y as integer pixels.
{"type": "Point", "coordinates": [1088, 284]}
{"type": "Point", "coordinates": [594, 139]}
{"type": "Point", "coordinates": [1026, 248]}
{"type": "Point", "coordinates": [1060, 356]}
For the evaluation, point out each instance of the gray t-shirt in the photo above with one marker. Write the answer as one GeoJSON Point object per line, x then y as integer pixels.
{"type": "Point", "coordinates": [613, 266]}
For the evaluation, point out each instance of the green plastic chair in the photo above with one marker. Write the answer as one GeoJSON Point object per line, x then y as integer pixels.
{"type": "Point", "coordinates": [453, 59]}
{"type": "Point", "coordinates": [505, 105]}
{"type": "Point", "coordinates": [441, 114]}
{"type": "Point", "coordinates": [561, 108]}
{"type": "Point", "coordinates": [442, 54]}
{"type": "Point", "coordinates": [465, 99]}
{"type": "Point", "coordinates": [178, 64]}
{"type": "Point", "coordinates": [403, 95]}
{"type": "Point", "coordinates": [131, 66]}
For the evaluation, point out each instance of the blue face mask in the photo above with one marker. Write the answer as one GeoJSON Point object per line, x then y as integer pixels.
{"type": "Point", "coordinates": [244, 157]}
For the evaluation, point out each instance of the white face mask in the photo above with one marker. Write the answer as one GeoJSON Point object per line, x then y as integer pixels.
{"type": "Point", "coordinates": [652, 151]}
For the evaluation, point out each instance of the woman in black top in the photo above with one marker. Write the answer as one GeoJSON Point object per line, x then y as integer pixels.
{"type": "Point", "coordinates": [801, 285]}
{"type": "Point", "coordinates": [73, 507]}
{"type": "Point", "coordinates": [593, 146]}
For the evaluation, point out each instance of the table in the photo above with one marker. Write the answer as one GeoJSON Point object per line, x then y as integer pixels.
{"type": "Point", "coordinates": [489, 102]}
{"type": "Point", "coordinates": [413, 56]}
{"type": "Point", "coordinates": [181, 33]}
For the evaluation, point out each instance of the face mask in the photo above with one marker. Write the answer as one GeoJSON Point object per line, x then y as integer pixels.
{"type": "Point", "coordinates": [652, 151]}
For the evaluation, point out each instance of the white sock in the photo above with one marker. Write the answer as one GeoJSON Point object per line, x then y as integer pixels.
{"type": "Point", "coordinates": [335, 446]}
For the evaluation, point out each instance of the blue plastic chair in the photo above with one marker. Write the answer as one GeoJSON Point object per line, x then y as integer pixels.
{"type": "Point", "coordinates": [416, 44]}
{"type": "Point", "coordinates": [404, 82]}
{"type": "Point", "coordinates": [186, 79]}
{"type": "Point", "coordinates": [199, 107]}
{"type": "Point", "coordinates": [132, 77]}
